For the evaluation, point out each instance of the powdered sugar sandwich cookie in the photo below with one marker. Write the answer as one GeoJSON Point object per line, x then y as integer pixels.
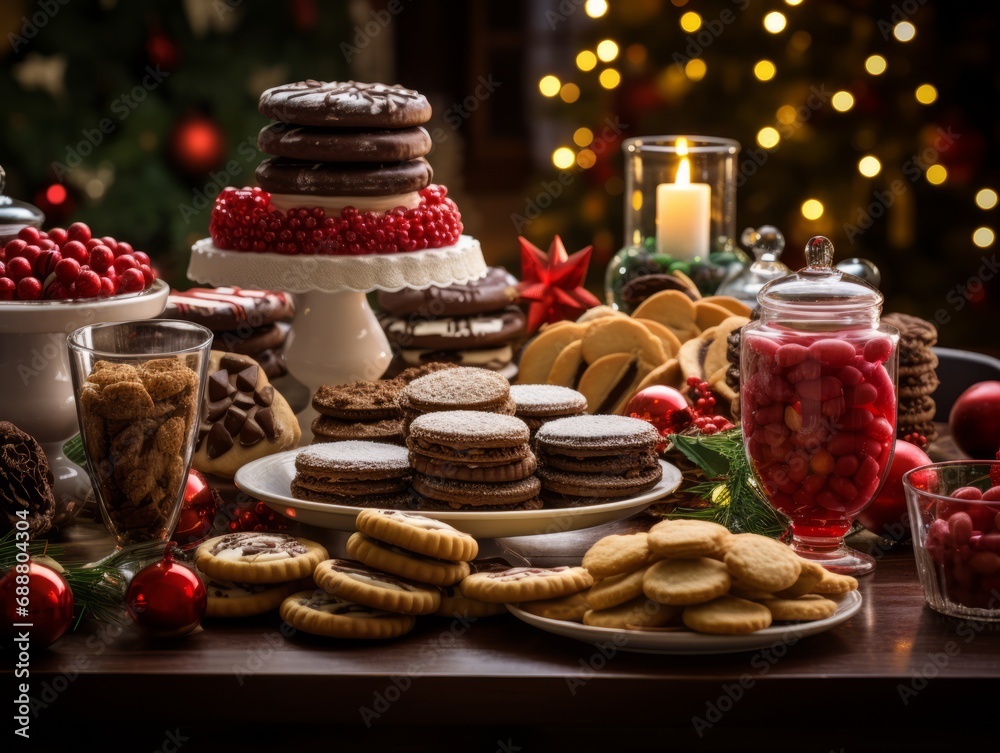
{"type": "Point", "coordinates": [355, 473]}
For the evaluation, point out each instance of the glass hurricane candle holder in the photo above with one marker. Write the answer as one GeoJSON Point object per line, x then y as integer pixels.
{"type": "Point", "coordinates": [138, 388]}
{"type": "Point", "coordinates": [680, 212]}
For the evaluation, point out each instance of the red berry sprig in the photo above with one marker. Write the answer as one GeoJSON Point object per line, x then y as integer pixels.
{"type": "Point", "coordinates": [916, 438]}
{"type": "Point", "coordinates": [705, 418]}
{"type": "Point", "coordinates": [257, 517]}
{"type": "Point", "coordinates": [70, 263]}
{"type": "Point", "coordinates": [244, 220]}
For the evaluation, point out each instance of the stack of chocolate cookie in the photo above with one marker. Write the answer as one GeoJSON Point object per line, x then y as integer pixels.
{"type": "Point", "coordinates": [359, 474]}
{"type": "Point", "coordinates": [365, 410]}
{"type": "Point", "coordinates": [917, 376]}
{"type": "Point", "coordinates": [472, 324]}
{"type": "Point", "coordinates": [344, 139]}
{"type": "Point", "coordinates": [592, 459]}
{"type": "Point", "coordinates": [459, 388]}
{"type": "Point", "coordinates": [468, 460]}
{"type": "Point", "coordinates": [537, 404]}
{"type": "Point", "coordinates": [248, 322]}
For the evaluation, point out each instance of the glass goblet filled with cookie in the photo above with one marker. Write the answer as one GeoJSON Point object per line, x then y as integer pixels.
{"type": "Point", "coordinates": [137, 387]}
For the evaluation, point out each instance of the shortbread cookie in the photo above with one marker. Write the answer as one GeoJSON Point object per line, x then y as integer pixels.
{"type": "Point", "coordinates": [683, 582]}
{"type": "Point", "coordinates": [228, 599]}
{"type": "Point", "coordinates": [253, 557]}
{"type": "Point", "coordinates": [456, 604]}
{"type": "Point", "coordinates": [519, 584]}
{"type": "Point", "coordinates": [564, 608]}
{"type": "Point", "coordinates": [746, 592]}
{"type": "Point", "coordinates": [835, 583]}
{"type": "Point", "coordinates": [805, 608]}
{"type": "Point", "coordinates": [407, 564]}
{"type": "Point", "coordinates": [540, 354]}
{"type": "Point", "coordinates": [685, 539]}
{"type": "Point", "coordinates": [616, 554]}
{"type": "Point", "coordinates": [809, 578]}
{"type": "Point", "coordinates": [762, 563]}
{"type": "Point", "coordinates": [727, 615]}
{"type": "Point", "coordinates": [639, 612]}
{"type": "Point", "coordinates": [610, 592]}
{"type": "Point", "coordinates": [320, 613]}
{"type": "Point", "coordinates": [359, 583]}
{"type": "Point", "coordinates": [674, 310]}
{"type": "Point", "coordinates": [418, 533]}
{"type": "Point", "coordinates": [620, 334]}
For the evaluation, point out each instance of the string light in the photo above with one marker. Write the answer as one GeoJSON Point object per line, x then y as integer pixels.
{"type": "Point", "coordinates": [812, 209]}
{"type": "Point", "coordinates": [869, 166]}
{"type": "Point", "coordinates": [569, 93]}
{"type": "Point", "coordinates": [691, 22]}
{"type": "Point", "coordinates": [607, 50]}
{"type": "Point", "coordinates": [695, 69]}
{"type": "Point", "coordinates": [583, 136]}
{"type": "Point", "coordinates": [768, 137]}
{"type": "Point", "coordinates": [842, 101]}
{"type": "Point", "coordinates": [610, 78]}
{"type": "Point", "coordinates": [984, 237]}
{"type": "Point", "coordinates": [549, 86]}
{"type": "Point", "coordinates": [936, 175]}
{"type": "Point", "coordinates": [563, 157]}
{"type": "Point", "coordinates": [926, 94]}
{"type": "Point", "coordinates": [904, 31]}
{"type": "Point", "coordinates": [586, 159]}
{"type": "Point", "coordinates": [986, 198]}
{"type": "Point", "coordinates": [764, 70]}
{"type": "Point", "coordinates": [586, 60]}
{"type": "Point", "coordinates": [55, 194]}
{"type": "Point", "coordinates": [876, 65]}
{"type": "Point", "coordinates": [595, 8]}
{"type": "Point", "coordinates": [793, 2]}
{"type": "Point", "coordinates": [775, 22]}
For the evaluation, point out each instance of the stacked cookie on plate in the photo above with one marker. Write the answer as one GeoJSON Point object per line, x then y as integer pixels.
{"type": "Point", "coordinates": [247, 322]}
{"type": "Point", "coordinates": [469, 460]}
{"type": "Point", "coordinates": [470, 324]}
{"type": "Point", "coordinates": [537, 404]}
{"type": "Point", "coordinates": [354, 473]}
{"type": "Point", "coordinates": [402, 561]}
{"type": "Point", "coordinates": [917, 376]}
{"type": "Point", "coordinates": [250, 572]}
{"type": "Point", "coordinates": [344, 140]}
{"type": "Point", "coordinates": [593, 459]}
{"type": "Point", "coordinates": [460, 388]}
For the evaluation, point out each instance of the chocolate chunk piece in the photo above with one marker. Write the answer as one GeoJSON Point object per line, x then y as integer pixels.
{"type": "Point", "coordinates": [246, 380]}
{"type": "Point", "coordinates": [219, 441]}
{"type": "Point", "coordinates": [251, 433]}
{"type": "Point", "coordinates": [235, 418]}
{"type": "Point", "coordinates": [265, 396]}
{"type": "Point", "coordinates": [235, 363]}
{"type": "Point", "coordinates": [218, 386]}
{"type": "Point", "coordinates": [217, 409]}
{"type": "Point", "coordinates": [265, 419]}
{"type": "Point", "coordinates": [244, 399]}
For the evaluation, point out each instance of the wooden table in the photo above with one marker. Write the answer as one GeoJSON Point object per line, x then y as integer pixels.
{"type": "Point", "coordinates": [498, 684]}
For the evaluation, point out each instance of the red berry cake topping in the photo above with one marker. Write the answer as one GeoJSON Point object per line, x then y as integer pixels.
{"type": "Point", "coordinates": [70, 263]}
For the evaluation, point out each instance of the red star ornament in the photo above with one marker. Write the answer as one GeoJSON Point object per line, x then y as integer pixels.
{"type": "Point", "coordinates": [552, 283]}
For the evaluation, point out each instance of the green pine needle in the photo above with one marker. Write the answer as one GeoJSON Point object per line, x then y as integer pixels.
{"type": "Point", "coordinates": [736, 500]}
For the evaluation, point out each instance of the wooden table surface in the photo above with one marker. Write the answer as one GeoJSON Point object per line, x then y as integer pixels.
{"type": "Point", "coordinates": [896, 661]}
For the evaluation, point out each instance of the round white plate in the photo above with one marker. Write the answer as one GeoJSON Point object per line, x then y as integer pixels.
{"type": "Point", "coordinates": [683, 642]}
{"type": "Point", "coordinates": [269, 479]}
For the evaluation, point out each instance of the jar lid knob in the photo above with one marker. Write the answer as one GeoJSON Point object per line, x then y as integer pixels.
{"type": "Point", "coordinates": [766, 242]}
{"type": "Point", "coordinates": [819, 253]}
{"type": "Point", "coordinates": [3, 179]}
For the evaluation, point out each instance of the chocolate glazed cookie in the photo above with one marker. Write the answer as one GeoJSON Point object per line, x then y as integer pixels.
{"type": "Point", "coordinates": [494, 291]}
{"type": "Point", "coordinates": [345, 104]}
{"type": "Point", "coordinates": [455, 332]}
{"type": "Point", "coordinates": [345, 145]}
{"type": "Point", "coordinates": [280, 175]}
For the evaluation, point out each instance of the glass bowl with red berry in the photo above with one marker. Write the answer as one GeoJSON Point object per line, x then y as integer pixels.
{"type": "Point", "coordinates": [954, 511]}
{"type": "Point", "coordinates": [52, 283]}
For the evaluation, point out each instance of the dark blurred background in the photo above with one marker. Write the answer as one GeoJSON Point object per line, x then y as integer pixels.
{"type": "Point", "coordinates": [130, 116]}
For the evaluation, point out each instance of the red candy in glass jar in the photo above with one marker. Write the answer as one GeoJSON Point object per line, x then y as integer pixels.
{"type": "Point", "coordinates": [818, 396]}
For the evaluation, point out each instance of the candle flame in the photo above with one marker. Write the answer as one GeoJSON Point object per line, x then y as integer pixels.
{"type": "Point", "coordinates": [682, 146]}
{"type": "Point", "coordinates": [683, 172]}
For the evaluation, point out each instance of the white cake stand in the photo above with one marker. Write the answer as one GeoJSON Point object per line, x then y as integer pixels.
{"type": "Point", "coordinates": [36, 389]}
{"type": "Point", "coordinates": [335, 337]}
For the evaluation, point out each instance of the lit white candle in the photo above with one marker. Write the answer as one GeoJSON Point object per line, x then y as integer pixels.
{"type": "Point", "coordinates": [683, 212]}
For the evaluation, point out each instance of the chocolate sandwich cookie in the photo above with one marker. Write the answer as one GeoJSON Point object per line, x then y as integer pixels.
{"type": "Point", "coordinates": [363, 474]}
{"type": "Point", "coordinates": [472, 495]}
{"type": "Point", "coordinates": [479, 472]}
{"type": "Point", "coordinates": [345, 104]}
{"type": "Point", "coordinates": [493, 359]}
{"type": "Point", "coordinates": [359, 401]}
{"type": "Point", "coordinates": [469, 437]}
{"type": "Point", "coordinates": [25, 482]}
{"type": "Point", "coordinates": [596, 436]}
{"type": "Point", "coordinates": [328, 429]}
{"type": "Point", "coordinates": [455, 332]}
{"type": "Point", "coordinates": [234, 310]}
{"type": "Point", "coordinates": [252, 342]}
{"type": "Point", "coordinates": [635, 461]}
{"type": "Point", "coordinates": [578, 487]}
{"type": "Point", "coordinates": [458, 388]}
{"type": "Point", "coordinates": [357, 582]}
{"type": "Point", "coordinates": [914, 332]}
{"type": "Point", "coordinates": [537, 404]}
{"type": "Point", "coordinates": [345, 144]}
{"type": "Point", "coordinates": [281, 175]}
{"type": "Point", "coordinates": [917, 385]}
{"type": "Point", "coordinates": [494, 291]}
{"type": "Point", "coordinates": [243, 418]}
